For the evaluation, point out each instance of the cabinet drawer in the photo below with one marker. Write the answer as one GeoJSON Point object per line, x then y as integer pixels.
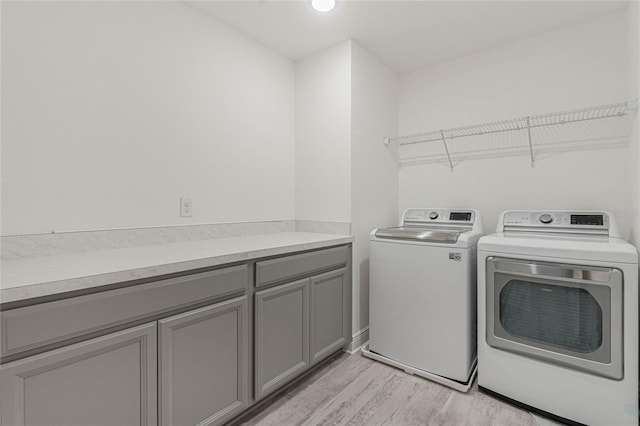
{"type": "Point", "coordinates": [47, 323]}
{"type": "Point", "coordinates": [293, 267]}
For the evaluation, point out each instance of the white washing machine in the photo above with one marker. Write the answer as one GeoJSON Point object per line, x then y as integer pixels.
{"type": "Point", "coordinates": [422, 295]}
{"type": "Point", "coordinates": [558, 316]}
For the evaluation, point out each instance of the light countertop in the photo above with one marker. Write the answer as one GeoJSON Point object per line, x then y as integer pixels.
{"type": "Point", "coordinates": [45, 276]}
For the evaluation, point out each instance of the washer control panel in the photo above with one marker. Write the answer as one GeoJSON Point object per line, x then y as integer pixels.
{"type": "Point", "coordinates": [556, 219]}
{"type": "Point", "coordinates": [438, 216]}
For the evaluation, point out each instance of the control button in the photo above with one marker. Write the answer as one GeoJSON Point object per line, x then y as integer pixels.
{"type": "Point", "coordinates": [545, 218]}
{"type": "Point", "coordinates": [433, 215]}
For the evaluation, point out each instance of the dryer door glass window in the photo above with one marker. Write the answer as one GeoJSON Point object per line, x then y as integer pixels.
{"type": "Point", "coordinates": [565, 314]}
{"type": "Point", "coordinates": [567, 318]}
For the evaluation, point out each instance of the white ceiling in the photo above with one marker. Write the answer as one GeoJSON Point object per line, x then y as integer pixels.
{"type": "Point", "coordinates": [404, 35]}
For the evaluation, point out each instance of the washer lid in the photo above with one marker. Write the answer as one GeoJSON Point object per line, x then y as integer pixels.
{"type": "Point", "coordinates": [445, 236]}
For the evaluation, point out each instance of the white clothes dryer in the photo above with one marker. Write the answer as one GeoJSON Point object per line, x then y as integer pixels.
{"type": "Point", "coordinates": [422, 294]}
{"type": "Point", "coordinates": [558, 316]}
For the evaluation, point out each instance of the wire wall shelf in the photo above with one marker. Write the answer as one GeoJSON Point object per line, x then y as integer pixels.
{"type": "Point", "coordinates": [604, 126]}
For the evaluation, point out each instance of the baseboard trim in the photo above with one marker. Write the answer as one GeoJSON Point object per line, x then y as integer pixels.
{"type": "Point", "coordinates": [359, 339]}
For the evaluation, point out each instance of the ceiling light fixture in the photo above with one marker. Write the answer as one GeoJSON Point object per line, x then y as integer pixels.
{"type": "Point", "coordinates": [323, 5]}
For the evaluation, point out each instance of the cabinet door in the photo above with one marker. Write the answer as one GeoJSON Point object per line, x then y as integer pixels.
{"type": "Point", "coordinates": [204, 362]}
{"type": "Point", "coordinates": [281, 335]}
{"type": "Point", "coordinates": [330, 313]}
{"type": "Point", "coordinates": [110, 380]}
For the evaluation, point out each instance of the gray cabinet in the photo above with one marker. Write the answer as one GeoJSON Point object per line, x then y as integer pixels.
{"type": "Point", "coordinates": [330, 313]}
{"type": "Point", "coordinates": [299, 323]}
{"type": "Point", "coordinates": [176, 351]}
{"type": "Point", "coordinates": [281, 335]}
{"type": "Point", "coordinates": [204, 360]}
{"type": "Point", "coordinates": [203, 355]}
{"type": "Point", "coordinates": [110, 380]}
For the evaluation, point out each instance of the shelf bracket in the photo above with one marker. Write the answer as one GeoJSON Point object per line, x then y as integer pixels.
{"type": "Point", "coordinates": [533, 160]}
{"type": "Point", "coordinates": [446, 149]}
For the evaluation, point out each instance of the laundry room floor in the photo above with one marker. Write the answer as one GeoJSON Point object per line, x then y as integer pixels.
{"type": "Point", "coordinates": [354, 390]}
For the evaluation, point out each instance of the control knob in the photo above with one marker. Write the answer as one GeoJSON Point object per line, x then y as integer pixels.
{"type": "Point", "coordinates": [433, 215]}
{"type": "Point", "coordinates": [545, 218]}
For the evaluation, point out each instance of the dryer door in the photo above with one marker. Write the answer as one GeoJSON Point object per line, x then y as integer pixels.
{"type": "Point", "coordinates": [565, 314]}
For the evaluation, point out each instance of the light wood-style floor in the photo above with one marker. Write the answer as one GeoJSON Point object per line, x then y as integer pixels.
{"type": "Point", "coordinates": [354, 390]}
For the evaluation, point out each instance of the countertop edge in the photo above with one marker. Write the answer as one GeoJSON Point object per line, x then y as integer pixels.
{"type": "Point", "coordinates": [22, 294]}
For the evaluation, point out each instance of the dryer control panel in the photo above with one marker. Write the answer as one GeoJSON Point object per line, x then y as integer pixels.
{"type": "Point", "coordinates": [555, 221]}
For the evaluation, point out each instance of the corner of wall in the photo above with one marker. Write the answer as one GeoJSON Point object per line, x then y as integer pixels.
{"type": "Point", "coordinates": [322, 135]}
{"type": "Point", "coordinates": [374, 172]}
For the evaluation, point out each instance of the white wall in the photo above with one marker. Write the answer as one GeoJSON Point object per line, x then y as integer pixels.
{"type": "Point", "coordinates": [374, 171]}
{"type": "Point", "coordinates": [323, 136]}
{"type": "Point", "coordinates": [633, 54]}
{"type": "Point", "coordinates": [113, 110]}
{"type": "Point", "coordinates": [578, 66]}
{"type": "Point", "coordinates": [346, 103]}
